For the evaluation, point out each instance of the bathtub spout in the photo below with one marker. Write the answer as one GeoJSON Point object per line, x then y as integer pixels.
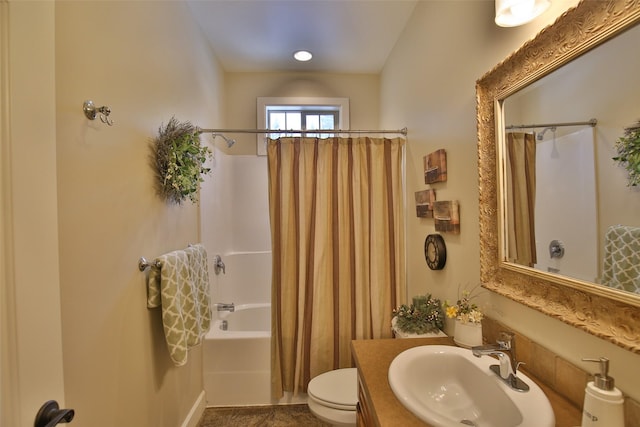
{"type": "Point", "coordinates": [221, 306]}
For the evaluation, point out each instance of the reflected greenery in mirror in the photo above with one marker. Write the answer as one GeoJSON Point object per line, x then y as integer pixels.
{"type": "Point", "coordinates": [608, 313]}
{"type": "Point", "coordinates": [628, 148]}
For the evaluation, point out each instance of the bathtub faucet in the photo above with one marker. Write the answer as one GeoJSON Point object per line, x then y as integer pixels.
{"type": "Point", "coordinates": [221, 306]}
{"type": "Point", "coordinates": [218, 265]}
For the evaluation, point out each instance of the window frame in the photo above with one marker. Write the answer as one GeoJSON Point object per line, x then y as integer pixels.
{"type": "Point", "coordinates": [315, 104]}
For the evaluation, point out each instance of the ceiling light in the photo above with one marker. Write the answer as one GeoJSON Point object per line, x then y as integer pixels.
{"type": "Point", "coordinates": [302, 55]}
{"type": "Point", "coordinates": [511, 13]}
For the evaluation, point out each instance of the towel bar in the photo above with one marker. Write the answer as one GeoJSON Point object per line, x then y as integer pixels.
{"type": "Point", "coordinates": [143, 264]}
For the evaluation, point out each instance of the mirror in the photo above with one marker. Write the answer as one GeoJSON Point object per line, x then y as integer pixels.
{"type": "Point", "coordinates": [576, 299]}
{"type": "Point", "coordinates": [580, 198]}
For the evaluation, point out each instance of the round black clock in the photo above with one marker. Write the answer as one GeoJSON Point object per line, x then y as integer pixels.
{"type": "Point", "coordinates": [435, 251]}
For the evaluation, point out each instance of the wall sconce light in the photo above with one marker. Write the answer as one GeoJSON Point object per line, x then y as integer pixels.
{"type": "Point", "coordinates": [511, 13]}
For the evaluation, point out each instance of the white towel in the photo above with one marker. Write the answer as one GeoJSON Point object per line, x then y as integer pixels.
{"type": "Point", "coordinates": [622, 258]}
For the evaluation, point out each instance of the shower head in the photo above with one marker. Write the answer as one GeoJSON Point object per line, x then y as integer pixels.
{"type": "Point", "coordinates": [541, 134]}
{"type": "Point", "coordinates": [229, 141]}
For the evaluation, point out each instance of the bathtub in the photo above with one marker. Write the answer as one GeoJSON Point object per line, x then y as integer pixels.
{"type": "Point", "coordinates": [237, 365]}
{"type": "Point", "coordinates": [247, 321]}
{"type": "Point", "coordinates": [237, 361]}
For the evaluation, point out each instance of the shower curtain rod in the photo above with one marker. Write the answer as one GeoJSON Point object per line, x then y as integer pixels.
{"type": "Point", "coordinates": [592, 123]}
{"type": "Point", "coordinates": [402, 131]}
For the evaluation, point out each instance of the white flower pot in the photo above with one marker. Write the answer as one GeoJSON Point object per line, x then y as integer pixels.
{"type": "Point", "coordinates": [467, 334]}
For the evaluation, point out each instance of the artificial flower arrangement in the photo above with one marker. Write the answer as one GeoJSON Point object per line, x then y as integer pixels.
{"type": "Point", "coordinates": [628, 148]}
{"type": "Point", "coordinates": [464, 310]}
{"type": "Point", "coordinates": [179, 161]}
{"type": "Point", "coordinates": [424, 315]}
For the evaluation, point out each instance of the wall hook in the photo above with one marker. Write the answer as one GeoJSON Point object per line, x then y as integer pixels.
{"type": "Point", "coordinates": [91, 111]}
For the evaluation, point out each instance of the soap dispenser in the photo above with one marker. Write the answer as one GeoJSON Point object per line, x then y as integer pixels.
{"type": "Point", "coordinates": [603, 402]}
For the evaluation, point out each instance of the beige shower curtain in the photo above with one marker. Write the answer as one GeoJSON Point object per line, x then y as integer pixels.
{"type": "Point", "coordinates": [521, 197]}
{"type": "Point", "coordinates": [337, 225]}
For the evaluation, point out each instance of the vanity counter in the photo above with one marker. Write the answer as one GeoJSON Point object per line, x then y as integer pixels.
{"type": "Point", "coordinates": [382, 408]}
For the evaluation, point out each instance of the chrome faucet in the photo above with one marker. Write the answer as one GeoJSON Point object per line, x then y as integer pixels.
{"type": "Point", "coordinates": [218, 265]}
{"type": "Point", "coordinates": [505, 351]}
{"type": "Point", "coordinates": [221, 306]}
{"type": "Point", "coordinates": [506, 367]}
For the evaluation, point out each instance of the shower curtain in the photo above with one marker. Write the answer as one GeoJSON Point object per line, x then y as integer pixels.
{"type": "Point", "coordinates": [337, 225]}
{"type": "Point", "coordinates": [521, 197]}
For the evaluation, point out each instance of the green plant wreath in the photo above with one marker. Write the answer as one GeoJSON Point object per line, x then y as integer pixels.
{"type": "Point", "coordinates": [628, 148]}
{"type": "Point", "coordinates": [179, 161]}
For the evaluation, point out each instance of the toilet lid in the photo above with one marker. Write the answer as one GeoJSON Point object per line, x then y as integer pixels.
{"type": "Point", "coordinates": [336, 389]}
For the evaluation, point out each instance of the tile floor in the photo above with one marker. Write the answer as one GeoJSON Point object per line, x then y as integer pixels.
{"type": "Point", "coordinates": [260, 416]}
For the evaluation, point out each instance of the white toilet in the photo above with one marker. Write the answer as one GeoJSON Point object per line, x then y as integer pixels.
{"type": "Point", "coordinates": [333, 396]}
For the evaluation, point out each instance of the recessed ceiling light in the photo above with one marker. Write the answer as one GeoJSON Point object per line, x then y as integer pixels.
{"type": "Point", "coordinates": [302, 55]}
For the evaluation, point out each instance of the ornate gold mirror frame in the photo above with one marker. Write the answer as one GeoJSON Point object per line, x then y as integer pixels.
{"type": "Point", "coordinates": [606, 313]}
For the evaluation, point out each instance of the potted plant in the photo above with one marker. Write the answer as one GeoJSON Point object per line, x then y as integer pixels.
{"type": "Point", "coordinates": [628, 148]}
{"type": "Point", "coordinates": [423, 316]}
{"type": "Point", "coordinates": [468, 327]}
{"type": "Point", "coordinates": [179, 161]}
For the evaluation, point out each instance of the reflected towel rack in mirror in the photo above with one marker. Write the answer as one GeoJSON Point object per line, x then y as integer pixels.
{"type": "Point", "coordinates": [592, 123]}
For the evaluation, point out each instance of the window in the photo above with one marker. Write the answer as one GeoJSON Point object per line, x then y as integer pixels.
{"type": "Point", "coordinates": [295, 114]}
{"type": "Point", "coordinates": [292, 118]}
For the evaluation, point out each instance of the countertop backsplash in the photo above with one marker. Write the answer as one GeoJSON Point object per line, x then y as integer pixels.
{"type": "Point", "coordinates": [562, 376]}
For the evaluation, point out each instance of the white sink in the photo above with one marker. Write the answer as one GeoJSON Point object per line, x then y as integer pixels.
{"type": "Point", "coordinates": [449, 386]}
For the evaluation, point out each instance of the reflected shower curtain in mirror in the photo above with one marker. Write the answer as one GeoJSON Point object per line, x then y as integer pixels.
{"type": "Point", "coordinates": [521, 196]}
{"type": "Point", "coordinates": [337, 229]}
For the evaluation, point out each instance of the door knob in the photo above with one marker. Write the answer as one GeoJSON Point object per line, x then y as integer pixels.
{"type": "Point", "coordinates": [51, 415]}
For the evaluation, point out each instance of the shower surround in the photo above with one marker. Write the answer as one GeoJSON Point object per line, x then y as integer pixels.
{"type": "Point", "coordinates": [566, 205]}
{"type": "Point", "coordinates": [235, 225]}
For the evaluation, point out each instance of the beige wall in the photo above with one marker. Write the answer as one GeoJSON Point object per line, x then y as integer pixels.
{"type": "Point", "coordinates": [428, 84]}
{"type": "Point", "coordinates": [147, 61]}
